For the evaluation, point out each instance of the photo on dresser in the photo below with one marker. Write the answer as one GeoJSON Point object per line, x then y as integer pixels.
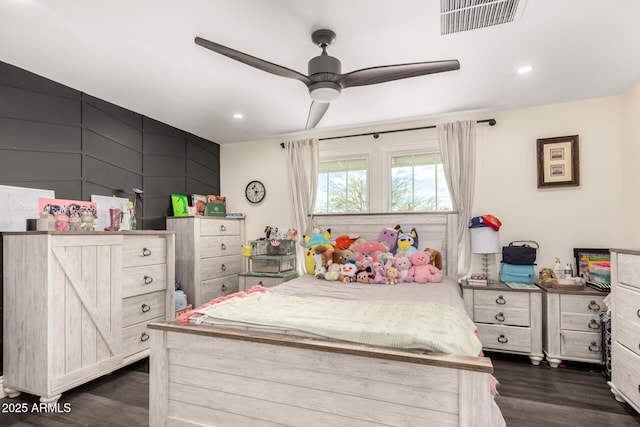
{"type": "Point", "coordinates": [593, 264]}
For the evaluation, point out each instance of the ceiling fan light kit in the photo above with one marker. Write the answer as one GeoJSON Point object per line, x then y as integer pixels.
{"type": "Point", "coordinates": [325, 80]}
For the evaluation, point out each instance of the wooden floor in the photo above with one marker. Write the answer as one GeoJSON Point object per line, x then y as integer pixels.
{"type": "Point", "coordinates": [539, 396]}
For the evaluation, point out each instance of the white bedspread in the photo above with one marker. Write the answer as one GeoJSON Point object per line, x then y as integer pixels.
{"type": "Point", "coordinates": [407, 316]}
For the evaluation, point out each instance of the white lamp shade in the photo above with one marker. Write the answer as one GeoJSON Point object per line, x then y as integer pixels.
{"type": "Point", "coordinates": [484, 240]}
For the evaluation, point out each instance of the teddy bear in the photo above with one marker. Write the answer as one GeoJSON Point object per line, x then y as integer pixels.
{"type": "Point", "coordinates": [333, 272]}
{"type": "Point", "coordinates": [363, 275]}
{"type": "Point", "coordinates": [62, 221]}
{"type": "Point", "coordinates": [436, 257]}
{"type": "Point", "coordinates": [422, 271]}
{"type": "Point", "coordinates": [343, 256]}
{"type": "Point", "coordinates": [391, 276]}
{"type": "Point", "coordinates": [402, 263]}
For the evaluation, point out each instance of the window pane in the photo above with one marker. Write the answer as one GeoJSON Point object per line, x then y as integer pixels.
{"type": "Point", "coordinates": [342, 186]}
{"type": "Point", "coordinates": [418, 183]}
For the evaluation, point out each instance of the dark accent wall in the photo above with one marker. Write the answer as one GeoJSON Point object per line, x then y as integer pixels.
{"type": "Point", "coordinates": [55, 137]}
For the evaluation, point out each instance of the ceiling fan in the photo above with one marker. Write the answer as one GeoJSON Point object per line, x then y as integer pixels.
{"type": "Point", "coordinates": [325, 80]}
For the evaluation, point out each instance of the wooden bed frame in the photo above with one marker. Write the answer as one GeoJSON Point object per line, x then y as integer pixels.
{"type": "Point", "coordinates": [205, 375]}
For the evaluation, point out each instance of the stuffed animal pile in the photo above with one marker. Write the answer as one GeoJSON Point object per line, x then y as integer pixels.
{"type": "Point", "coordinates": [393, 258]}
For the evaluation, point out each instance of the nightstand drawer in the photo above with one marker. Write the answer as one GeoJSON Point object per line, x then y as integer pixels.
{"type": "Point", "coordinates": [267, 282]}
{"type": "Point", "coordinates": [501, 299]}
{"type": "Point", "coordinates": [625, 372]}
{"type": "Point", "coordinates": [580, 322]}
{"type": "Point", "coordinates": [145, 279]}
{"type": "Point", "coordinates": [219, 228]}
{"type": "Point", "coordinates": [143, 308]}
{"type": "Point", "coordinates": [627, 318]}
{"type": "Point", "coordinates": [505, 338]}
{"type": "Point", "coordinates": [582, 304]}
{"type": "Point", "coordinates": [501, 316]}
{"type": "Point", "coordinates": [214, 246]}
{"type": "Point", "coordinates": [580, 344]}
{"type": "Point", "coordinates": [145, 250]}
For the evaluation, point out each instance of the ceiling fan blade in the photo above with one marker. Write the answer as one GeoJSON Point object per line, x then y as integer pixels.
{"type": "Point", "coordinates": [252, 61]}
{"type": "Point", "coordinates": [316, 112]}
{"type": "Point", "coordinates": [387, 73]}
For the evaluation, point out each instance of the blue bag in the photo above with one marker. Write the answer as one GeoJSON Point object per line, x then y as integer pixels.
{"type": "Point", "coordinates": [516, 273]}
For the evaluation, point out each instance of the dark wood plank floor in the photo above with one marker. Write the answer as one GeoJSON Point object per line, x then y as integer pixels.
{"type": "Point", "coordinates": [539, 396]}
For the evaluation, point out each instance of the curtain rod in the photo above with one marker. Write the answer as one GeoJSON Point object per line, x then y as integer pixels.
{"type": "Point", "coordinates": [376, 135]}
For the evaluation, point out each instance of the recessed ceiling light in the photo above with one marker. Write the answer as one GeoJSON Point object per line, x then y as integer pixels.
{"type": "Point", "coordinates": [525, 69]}
{"type": "Point", "coordinates": [237, 116]}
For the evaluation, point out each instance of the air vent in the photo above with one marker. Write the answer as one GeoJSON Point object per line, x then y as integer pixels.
{"type": "Point", "coordinates": [465, 15]}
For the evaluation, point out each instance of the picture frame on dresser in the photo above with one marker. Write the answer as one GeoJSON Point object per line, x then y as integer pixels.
{"type": "Point", "coordinates": [585, 257]}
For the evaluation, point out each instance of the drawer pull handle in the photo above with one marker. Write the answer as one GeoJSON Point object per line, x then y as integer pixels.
{"type": "Point", "coordinates": [223, 267]}
{"type": "Point", "coordinates": [146, 252]}
{"type": "Point", "coordinates": [148, 280]}
{"type": "Point", "coordinates": [223, 228]}
{"type": "Point", "coordinates": [224, 287]}
{"type": "Point", "coordinates": [594, 347]}
{"type": "Point", "coordinates": [502, 339]}
{"type": "Point", "coordinates": [145, 308]}
{"type": "Point", "coordinates": [260, 283]}
{"type": "Point", "coordinates": [638, 313]}
{"type": "Point", "coordinates": [144, 337]}
{"type": "Point", "coordinates": [500, 300]}
{"type": "Point", "coordinates": [500, 317]}
{"type": "Point", "coordinates": [223, 247]}
{"type": "Point", "coordinates": [594, 324]}
{"type": "Point", "coordinates": [594, 306]}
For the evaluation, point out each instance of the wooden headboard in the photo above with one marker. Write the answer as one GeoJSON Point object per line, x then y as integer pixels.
{"type": "Point", "coordinates": [436, 230]}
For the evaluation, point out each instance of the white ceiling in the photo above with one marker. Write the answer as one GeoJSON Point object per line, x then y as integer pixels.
{"type": "Point", "coordinates": [140, 54]}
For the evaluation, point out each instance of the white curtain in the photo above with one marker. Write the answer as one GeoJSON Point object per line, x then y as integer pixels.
{"type": "Point", "coordinates": [458, 149]}
{"type": "Point", "coordinates": [302, 160]}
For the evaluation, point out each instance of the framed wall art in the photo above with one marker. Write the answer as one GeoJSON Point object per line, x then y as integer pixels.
{"type": "Point", "coordinates": [558, 161]}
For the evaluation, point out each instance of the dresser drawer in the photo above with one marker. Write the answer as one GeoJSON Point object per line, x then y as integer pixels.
{"type": "Point", "coordinates": [629, 269]}
{"type": "Point", "coordinates": [582, 304]}
{"type": "Point", "coordinates": [220, 266]}
{"type": "Point", "coordinates": [267, 282]}
{"type": "Point", "coordinates": [501, 299]}
{"type": "Point", "coordinates": [145, 279]}
{"type": "Point", "coordinates": [505, 338]}
{"type": "Point", "coordinates": [627, 318]}
{"type": "Point", "coordinates": [214, 246]}
{"type": "Point", "coordinates": [581, 344]}
{"type": "Point", "coordinates": [625, 372]}
{"type": "Point", "coordinates": [142, 308]}
{"type": "Point", "coordinates": [502, 316]}
{"type": "Point", "coordinates": [136, 338]}
{"type": "Point", "coordinates": [215, 288]}
{"type": "Point", "coordinates": [144, 250]}
{"type": "Point", "coordinates": [219, 228]}
{"type": "Point", "coordinates": [580, 322]}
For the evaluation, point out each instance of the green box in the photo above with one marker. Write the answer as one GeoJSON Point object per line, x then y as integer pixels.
{"type": "Point", "coordinates": [215, 209]}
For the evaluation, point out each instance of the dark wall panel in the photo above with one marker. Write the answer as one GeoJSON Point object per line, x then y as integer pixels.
{"type": "Point", "coordinates": [164, 166]}
{"type": "Point", "coordinates": [102, 148]}
{"type": "Point", "coordinates": [111, 127]}
{"type": "Point", "coordinates": [125, 116]}
{"type": "Point", "coordinates": [154, 127]}
{"type": "Point", "coordinates": [108, 175]}
{"type": "Point", "coordinates": [38, 107]}
{"type": "Point", "coordinates": [169, 145]}
{"type": "Point", "coordinates": [28, 165]}
{"type": "Point", "coordinates": [16, 77]}
{"type": "Point", "coordinates": [27, 135]}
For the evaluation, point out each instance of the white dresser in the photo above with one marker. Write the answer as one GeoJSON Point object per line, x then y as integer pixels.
{"type": "Point", "coordinates": [571, 325]}
{"type": "Point", "coordinates": [508, 320]}
{"type": "Point", "coordinates": [208, 256]}
{"type": "Point", "coordinates": [625, 326]}
{"type": "Point", "coordinates": [76, 305]}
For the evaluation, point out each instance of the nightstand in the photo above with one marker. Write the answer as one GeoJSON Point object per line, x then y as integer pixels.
{"type": "Point", "coordinates": [249, 280]}
{"type": "Point", "coordinates": [571, 325]}
{"type": "Point", "coordinates": [509, 320]}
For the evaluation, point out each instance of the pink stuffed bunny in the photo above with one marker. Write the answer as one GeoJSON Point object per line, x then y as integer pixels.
{"type": "Point", "coordinates": [421, 270]}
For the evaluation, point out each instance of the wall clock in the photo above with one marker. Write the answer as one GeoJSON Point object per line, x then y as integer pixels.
{"type": "Point", "coordinates": [255, 192]}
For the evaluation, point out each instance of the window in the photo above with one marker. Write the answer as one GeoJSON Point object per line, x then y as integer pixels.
{"type": "Point", "coordinates": [342, 186]}
{"type": "Point", "coordinates": [418, 183]}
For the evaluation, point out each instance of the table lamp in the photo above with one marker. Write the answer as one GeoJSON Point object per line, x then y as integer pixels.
{"type": "Point", "coordinates": [485, 241]}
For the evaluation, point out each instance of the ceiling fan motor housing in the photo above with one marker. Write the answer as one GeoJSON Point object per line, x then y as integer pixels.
{"type": "Point", "coordinates": [323, 69]}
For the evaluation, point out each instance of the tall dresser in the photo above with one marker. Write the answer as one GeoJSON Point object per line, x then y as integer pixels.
{"type": "Point", "coordinates": [625, 326]}
{"type": "Point", "coordinates": [208, 255]}
{"type": "Point", "coordinates": [76, 305]}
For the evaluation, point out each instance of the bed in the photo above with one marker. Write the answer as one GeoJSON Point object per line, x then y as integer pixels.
{"type": "Point", "coordinates": [235, 373]}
